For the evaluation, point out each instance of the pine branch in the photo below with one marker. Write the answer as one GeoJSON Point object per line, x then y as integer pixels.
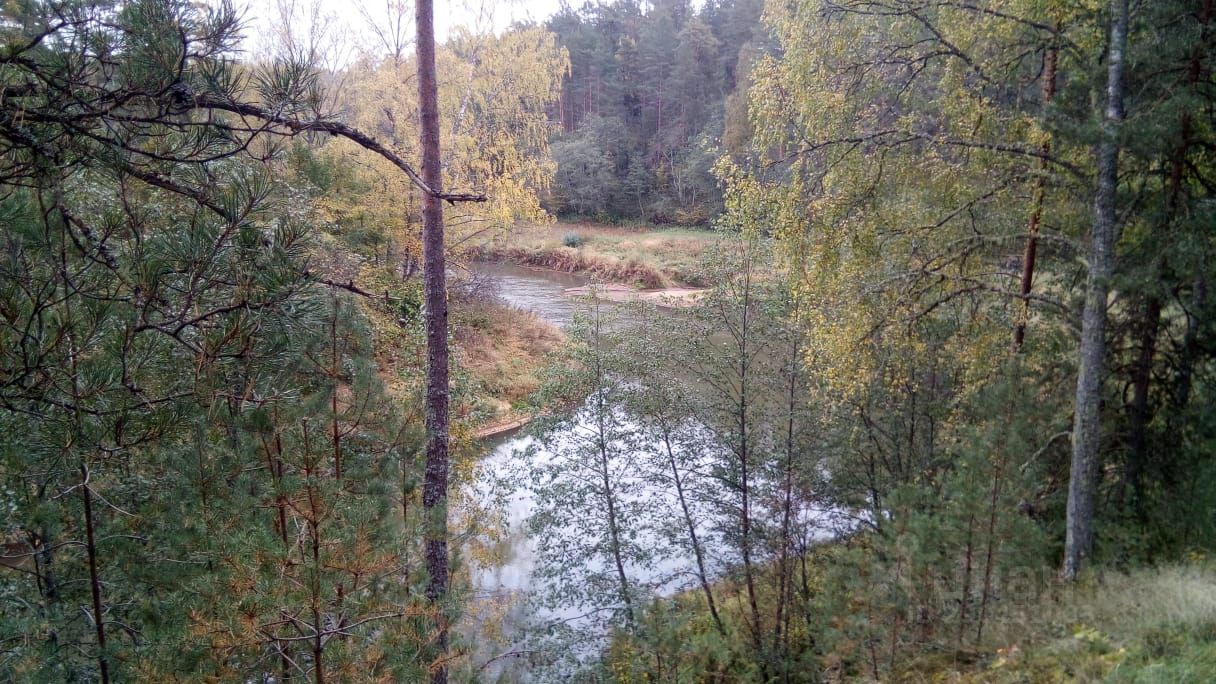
{"type": "Point", "coordinates": [349, 286]}
{"type": "Point", "coordinates": [337, 128]}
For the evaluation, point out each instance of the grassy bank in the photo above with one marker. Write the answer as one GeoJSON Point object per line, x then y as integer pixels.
{"type": "Point", "coordinates": [502, 350]}
{"type": "Point", "coordinates": [1146, 625]}
{"type": "Point", "coordinates": [498, 351]}
{"type": "Point", "coordinates": [644, 257]}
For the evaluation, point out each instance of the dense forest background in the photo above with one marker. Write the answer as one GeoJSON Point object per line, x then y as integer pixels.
{"type": "Point", "coordinates": [942, 409]}
{"type": "Point", "coordinates": [656, 93]}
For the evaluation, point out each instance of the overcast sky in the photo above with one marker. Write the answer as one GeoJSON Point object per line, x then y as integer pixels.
{"type": "Point", "coordinates": [347, 20]}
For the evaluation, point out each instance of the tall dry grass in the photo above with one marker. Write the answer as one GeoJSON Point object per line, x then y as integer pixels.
{"type": "Point", "coordinates": [570, 260]}
{"type": "Point", "coordinates": [1154, 624]}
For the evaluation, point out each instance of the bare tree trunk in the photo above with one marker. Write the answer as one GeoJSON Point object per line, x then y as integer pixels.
{"type": "Point", "coordinates": [334, 372]}
{"type": "Point", "coordinates": [784, 572]}
{"type": "Point", "coordinates": [1141, 411]}
{"type": "Point", "coordinates": [318, 619]}
{"type": "Point", "coordinates": [998, 472]}
{"type": "Point", "coordinates": [601, 439]}
{"type": "Point", "coordinates": [1036, 213]}
{"type": "Point", "coordinates": [614, 532]}
{"type": "Point", "coordinates": [1190, 342]}
{"type": "Point", "coordinates": [86, 494]}
{"type": "Point", "coordinates": [745, 456]}
{"type": "Point", "coordinates": [1087, 428]}
{"type": "Point", "coordinates": [435, 481]}
{"type": "Point", "coordinates": [968, 568]}
{"type": "Point", "coordinates": [274, 458]}
{"type": "Point", "coordinates": [698, 552]}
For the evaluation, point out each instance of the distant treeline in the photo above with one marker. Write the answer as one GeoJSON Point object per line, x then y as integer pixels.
{"type": "Point", "coordinates": [655, 94]}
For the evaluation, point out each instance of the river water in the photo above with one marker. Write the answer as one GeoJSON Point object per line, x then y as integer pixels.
{"type": "Point", "coordinates": [502, 570]}
{"type": "Point", "coordinates": [502, 585]}
{"type": "Point", "coordinates": [539, 291]}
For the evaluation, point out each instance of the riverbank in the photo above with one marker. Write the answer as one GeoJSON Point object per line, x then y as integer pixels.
{"type": "Point", "coordinates": [499, 348]}
{"type": "Point", "coordinates": [503, 350]}
{"type": "Point", "coordinates": [644, 257]}
{"type": "Point", "coordinates": [1149, 624]}
{"type": "Point", "coordinates": [502, 342]}
{"type": "Point", "coordinates": [505, 342]}
{"type": "Point", "coordinates": [666, 296]}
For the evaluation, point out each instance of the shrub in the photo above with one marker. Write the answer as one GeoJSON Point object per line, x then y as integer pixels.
{"type": "Point", "coordinates": [573, 240]}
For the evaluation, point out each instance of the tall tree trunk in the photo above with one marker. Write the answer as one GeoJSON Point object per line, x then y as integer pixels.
{"type": "Point", "coordinates": [335, 370]}
{"type": "Point", "coordinates": [274, 458]}
{"type": "Point", "coordinates": [968, 570]}
{"type": "Point", "coordinates": [1190, 343]}
{"type": "Point", "coordinates": [318, 619]}
{"type": "Point", "coordinates": [86, 491]}
{"type": "Point", "coordinates": [435, 481]}
{"type": "Point", "coordinates": [998, 472]}
{"type": "Point", "coordinates": [605, 473]}
{"type": "Point", "coordinates": [784, 572]}
{"type": "Point", "coordinates": [614, 530]}
{"type": "Point", "coordinates": [1190, 347]}
{"type": "Point", "coordinates": [1036, 213]}
{"type": "Point", "coordinates": [1087, 429]}
{"type": "Point", "coordinates": [1141, 411]}
{"type": "Point", "coordinates": [745, 456]}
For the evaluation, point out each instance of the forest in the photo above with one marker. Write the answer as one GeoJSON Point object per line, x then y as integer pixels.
{"type": "Point", "coordinates": [645, 341]}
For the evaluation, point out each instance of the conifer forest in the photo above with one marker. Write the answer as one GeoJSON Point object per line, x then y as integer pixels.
{"type": "Point", "coordinates": [621, 341]}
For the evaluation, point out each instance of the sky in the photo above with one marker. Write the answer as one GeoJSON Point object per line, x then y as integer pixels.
{"type": "Point", "coordinates": [347, 21]}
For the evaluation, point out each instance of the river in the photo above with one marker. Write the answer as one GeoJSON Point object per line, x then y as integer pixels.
{"type": "Point", "coordinates": [502, 569]}
{"type": "Point", "coordinates": [501, 586]}
{"type": "Point", "coordinates": [539, 291]}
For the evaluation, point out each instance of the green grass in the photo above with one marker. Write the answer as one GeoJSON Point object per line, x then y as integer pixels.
{"type": "Point", "coordinates": [1145, 626]}
{"type": "Point", "coordinates": [1152, 625]}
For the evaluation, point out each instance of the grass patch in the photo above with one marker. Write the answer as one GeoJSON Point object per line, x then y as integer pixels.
{"type": "Point", "coordinates": [1147, 626]}
{"type": "Point", "coordinates": [503, 350]}
{"type": "Point", "coordinates": [571, 260]}
{"type": "Point", "coordinates": [641, 257]}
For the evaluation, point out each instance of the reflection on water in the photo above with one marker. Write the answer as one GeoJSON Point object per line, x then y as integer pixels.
{"type": "Point", "coordinates": [501, 587]}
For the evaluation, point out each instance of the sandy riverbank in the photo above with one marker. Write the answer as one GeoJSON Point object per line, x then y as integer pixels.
{"type": "Point", "coordinates": [666, 296]}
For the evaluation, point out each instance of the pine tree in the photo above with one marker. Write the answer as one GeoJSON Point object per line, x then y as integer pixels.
{"type": "Point", "coordinates": [161, 336]}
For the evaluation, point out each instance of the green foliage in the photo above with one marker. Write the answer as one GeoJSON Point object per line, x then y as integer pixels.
{"type": "Point", "coordinates": [410, 309]}
{"type": "Point", "coordinates": [199, 463]}
{"type": "Point", "coordinates": [905, 157]}
{"type": "Point", "coordinates": [203, 476]}
{"type": "Point", "coordinates": [642, 108]}
{"type": "Point", "coordinates": [692, 434]}
{"type": "Point", "coordinates": [582, 471]}
{"type": "Point", "coordinates": [322, 547]}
